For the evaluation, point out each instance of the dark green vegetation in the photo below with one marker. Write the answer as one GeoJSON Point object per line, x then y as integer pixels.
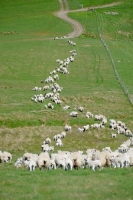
{"type": "Point", "coordinates": [28, 54]}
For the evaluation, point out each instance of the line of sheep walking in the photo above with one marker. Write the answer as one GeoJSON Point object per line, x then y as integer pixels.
{"type": "Point", "coordinates": [51, 81]}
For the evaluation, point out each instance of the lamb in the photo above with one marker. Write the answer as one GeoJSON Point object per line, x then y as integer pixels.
{"type": "Point", "coordinates": [120, 160]}
{"type": "Point", "coordinates": [19, 162]}
{"type": "Point", "coordinates": [31, 164]}
{"type": "Point", "coordinates": [93, 164]}
{"type": "Point", "coordinates": [68, 164]}
{"type": "Point", "coordinates": [30, 156]}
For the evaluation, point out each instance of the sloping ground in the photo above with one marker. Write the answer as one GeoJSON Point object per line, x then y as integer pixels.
{"type": "Point", "coordinates": [78, 29]}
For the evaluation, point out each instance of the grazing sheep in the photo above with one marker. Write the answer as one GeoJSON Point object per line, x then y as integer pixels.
{"type": "Point", "coordinates": [80, 109]}
{"type": "Point", "coordinates": [46, 87]}
{"type": "Point", "coordinates": [66, 107]}
{"type": "Point", "coordinates": [74, 114]}
{"type": "Point", "coordinates": [89, 115]}
{"type": "Point", "coordinates": [113, 135]}
{"type": "Point", "coordinates": [50, 106]}
{"type": "Point", "coordinates": [67, 128]}
{"type": "Point", "coordinates": [81, 130]}
{"type": "Point", "coordinates": [128, 133]}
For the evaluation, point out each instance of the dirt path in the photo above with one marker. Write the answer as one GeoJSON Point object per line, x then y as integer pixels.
{"type": "Point", "coordinates": [78, 28]}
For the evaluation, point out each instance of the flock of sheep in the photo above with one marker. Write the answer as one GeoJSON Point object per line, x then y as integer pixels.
{"type": "Point", "coordinates": [51, 86]}
{"type": "Point", "coordinates": [92, 158]}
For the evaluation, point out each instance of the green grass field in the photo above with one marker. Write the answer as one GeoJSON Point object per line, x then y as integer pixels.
{"type": "Point", "coordinates": [28, 54]}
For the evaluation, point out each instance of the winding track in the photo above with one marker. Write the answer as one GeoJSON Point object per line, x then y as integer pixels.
{"type": "Point", "coordinates": [78, 28]}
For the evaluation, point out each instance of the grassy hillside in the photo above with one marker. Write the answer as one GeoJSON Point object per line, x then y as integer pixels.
{"type": "Point", "coordinates": [76, 4]}
{"type": "Point", "coordinates": [28, 54]}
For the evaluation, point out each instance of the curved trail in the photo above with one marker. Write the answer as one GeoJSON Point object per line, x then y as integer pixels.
{"type": "Point", "coordinates": [78, 28]}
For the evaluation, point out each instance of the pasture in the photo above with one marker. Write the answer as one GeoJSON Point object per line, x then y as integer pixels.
{"type": "Point", "coordinates": [28, 54]}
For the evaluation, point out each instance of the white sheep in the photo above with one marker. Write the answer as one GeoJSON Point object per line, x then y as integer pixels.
{"type": "Point", "coordinates": [113, 135]}
{"type": "Point", "coordinates": [31, 164]}
{"type": "Point", "coordinates": [74, 114]}
{"type": "Point", "coordinates": [5, 156]}
{"type": "Point", "coordinates": [93, 164]}
{"type": "Point", "coordinates": [120, 160]}
{"type": "Point", "coordinates": [68, 164]}
{"type": "Point", "coordinates": [19, 162]}
{"type": "Point", "coordinates": [66, 107]}
{"type": "Point", "coordinates": [89, 115]}
{"type": "Point", "coordinates": [63, 134]}
{"type": "Point", "coordinates": [86, 127]}
{"type": "Point", "coordinates": [80, 108]}
{"type": "Point", "coordinates": [43, 160]}
{"type": "Point", "coordinates": [81, 130]}
{"type": "Point", "coordinates": [67, 128]}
